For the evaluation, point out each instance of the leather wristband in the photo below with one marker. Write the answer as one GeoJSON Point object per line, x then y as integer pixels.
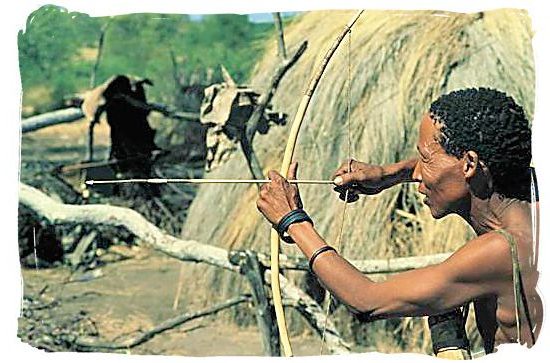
{"type": "Point", "coordinates": [294, 216]}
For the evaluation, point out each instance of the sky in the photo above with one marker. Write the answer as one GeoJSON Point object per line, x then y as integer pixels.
{"type": "Point", "coordinates": [255, 18]}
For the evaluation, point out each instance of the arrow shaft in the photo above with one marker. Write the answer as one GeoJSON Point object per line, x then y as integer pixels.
{"type": "Point", "coordinates": [202, 181]}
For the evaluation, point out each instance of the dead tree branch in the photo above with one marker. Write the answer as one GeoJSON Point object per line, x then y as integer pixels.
{"type": "Point", "coordinates": [281, 35]}
{"type": "Point", "coordinates": [54, 212]}
{"type": "Point", "coordinates": [51, 118]}
{"type": "Point", "coordinates": [265, 98]}
{"type": "Point", "coordinates": [378, 266]}
{"type": "Point", "coordinates": [72, 114]}
{"type": "Point", "coordinates": [162, 327]}
{"type": "Point", "coordinates": [263, 101]}
{"type": "Point", "coordinates": [99, 52]}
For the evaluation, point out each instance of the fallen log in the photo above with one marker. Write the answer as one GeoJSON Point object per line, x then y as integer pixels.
{"type": "Point", "coordinates": [191, 250]}
{"type": "Point", "coordinates": [51, 118]}
{"type": "Point", "coordinates": [72, 114]}
{"type": "Point", "coordinates": [54, 212]}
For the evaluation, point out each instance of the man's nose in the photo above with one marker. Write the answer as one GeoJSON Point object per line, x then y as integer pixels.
{"type": "Point", "coordinates": [417, 177]}
{"type": "Point", "coordinates": [417, 172]}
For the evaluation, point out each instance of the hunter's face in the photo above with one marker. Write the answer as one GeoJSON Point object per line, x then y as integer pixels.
{"type": "Point", "coordinates": [441, 175]}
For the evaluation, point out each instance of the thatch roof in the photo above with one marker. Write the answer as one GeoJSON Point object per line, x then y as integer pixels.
{"type": "Point", "coordinates": [400, 62]}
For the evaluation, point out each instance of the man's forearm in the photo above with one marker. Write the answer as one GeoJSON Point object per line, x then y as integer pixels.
{"type": "Point", "coordinates": [340, 277]}
{"type": "Point", "coordinates": [400, 172]}
{"type": "Point", "coordinates": [411, 293]}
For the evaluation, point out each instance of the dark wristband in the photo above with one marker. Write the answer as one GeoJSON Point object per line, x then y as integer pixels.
{"type": "Point", "coordinates": [294, 216]}
{"type": "Point", "coordinates": [317, 253]}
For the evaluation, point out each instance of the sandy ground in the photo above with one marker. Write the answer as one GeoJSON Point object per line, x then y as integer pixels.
{"type": "Point", "coordinates": [65, 142]}
{"type": "Point", "coordinates": [134, 295]}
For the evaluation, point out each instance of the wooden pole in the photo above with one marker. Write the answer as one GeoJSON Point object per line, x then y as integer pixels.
{"type": "Point", "coordinates": [281, 39]}
{"type": "Point", "coordinates": [254, 272]}
{"type": "Point", "coordinates": [247, 136]}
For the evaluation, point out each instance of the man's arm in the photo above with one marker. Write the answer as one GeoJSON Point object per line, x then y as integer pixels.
{"type": "Point", "coordinates": [372, 179]}
{"type": "Point", "coordinates": [400, 172]}
{"type": "Point", "coordinates": [477, 269]}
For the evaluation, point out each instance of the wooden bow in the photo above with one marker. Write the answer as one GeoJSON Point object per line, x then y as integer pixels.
{"type": "Point", "coordinates": [287, 159]}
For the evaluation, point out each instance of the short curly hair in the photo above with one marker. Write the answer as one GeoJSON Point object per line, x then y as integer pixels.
{"type": "Point", "coordinates": [490, 123]}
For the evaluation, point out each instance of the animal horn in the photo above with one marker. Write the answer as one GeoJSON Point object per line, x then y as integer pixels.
{"type": "Point", "coordinates": [227, 77]}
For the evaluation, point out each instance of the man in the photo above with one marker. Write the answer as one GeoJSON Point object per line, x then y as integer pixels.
{"type": "Point", "coordinates": [474, 153]}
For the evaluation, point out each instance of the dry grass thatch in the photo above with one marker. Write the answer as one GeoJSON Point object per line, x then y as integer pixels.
{"type": "Point", "coordinates": [400, 62]}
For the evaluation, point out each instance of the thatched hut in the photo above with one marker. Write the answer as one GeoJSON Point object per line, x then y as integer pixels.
{"type": "Point", "coordinates": [399, 62]}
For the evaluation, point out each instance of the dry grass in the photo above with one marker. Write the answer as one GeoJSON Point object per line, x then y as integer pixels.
{"type": "Point", "coordinates": [400, 62]}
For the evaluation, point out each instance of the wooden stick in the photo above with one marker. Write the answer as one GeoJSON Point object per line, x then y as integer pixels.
{"type": "Point", "coordinates": [179, 288]}
{"type": "Point", "coordinates": [202, 181]}
{"type": "Point", "coordinates": [253, 271]}
{"type": "Point", "coordinates": [281, 39]}
{"type": "Point", "coordinates": [100, 44]}
{"type": "Point", "coordinates": [172, 323]}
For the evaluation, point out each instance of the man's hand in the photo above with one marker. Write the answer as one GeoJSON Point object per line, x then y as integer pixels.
{"type": "Point", "coordinates": [279, 197]}
{"type": "Point", "coordinates": [358, 178]}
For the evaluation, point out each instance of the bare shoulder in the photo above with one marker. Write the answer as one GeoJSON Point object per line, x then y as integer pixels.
{"type": "Point", "coordinates": [486, 258]}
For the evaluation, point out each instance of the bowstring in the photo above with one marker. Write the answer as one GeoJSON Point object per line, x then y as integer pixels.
{"type": "Point", "coordinates": [339, 246]}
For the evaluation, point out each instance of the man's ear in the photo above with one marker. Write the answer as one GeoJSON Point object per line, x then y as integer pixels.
{"type": "Point", "coordinates": [471, 163]}
{"type": "Point", "coordinates": [477, 175]}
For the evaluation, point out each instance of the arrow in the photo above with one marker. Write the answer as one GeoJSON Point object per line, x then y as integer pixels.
{"type": "Point", "coordinates": [201, 181]}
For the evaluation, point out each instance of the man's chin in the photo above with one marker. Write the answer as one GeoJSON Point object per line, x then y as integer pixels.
{"type": "Point", "coordinates": [438, 214]}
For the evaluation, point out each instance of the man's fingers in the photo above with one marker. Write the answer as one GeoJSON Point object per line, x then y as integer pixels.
{"type": "Point", "coordinates": [342, 169]}
{"type": "Point", "coordinates": [346, 178]}
{"type": "Point", "coordinates": [293, 171]}
{"type": "Point", "coordinates": [273, 175]}
{"type": "Point", "coordinates": [345, 168]}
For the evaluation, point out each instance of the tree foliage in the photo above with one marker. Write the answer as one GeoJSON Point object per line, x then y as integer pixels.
{"type": "Point", "coordinates": [57, 50]}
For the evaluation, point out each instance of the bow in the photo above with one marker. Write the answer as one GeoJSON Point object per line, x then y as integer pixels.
{"type": "Point", "coordinates": [287, 159]}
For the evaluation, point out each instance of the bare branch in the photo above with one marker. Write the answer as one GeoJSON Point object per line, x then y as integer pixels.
{"type": "Point", "coordinates": [265, 98]}
{"type": "Point", "coordinates": [55, 212]}
{"type": "Point", "coordinates": [186, 250]}
{"type": "Point", "coordinates": [162, 327]}
{"type": "Point", "coordinates": [281, 36]}
{"type": "Point", "coordinates": [99, 51]}
{"type": "Point", "coordinates": [51, 118]}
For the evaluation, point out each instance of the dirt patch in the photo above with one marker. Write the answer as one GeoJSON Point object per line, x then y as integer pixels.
{"type": "Point", "coordinates": [134, 295]}
{"type": "Point", "coordinates": [65, 142]}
